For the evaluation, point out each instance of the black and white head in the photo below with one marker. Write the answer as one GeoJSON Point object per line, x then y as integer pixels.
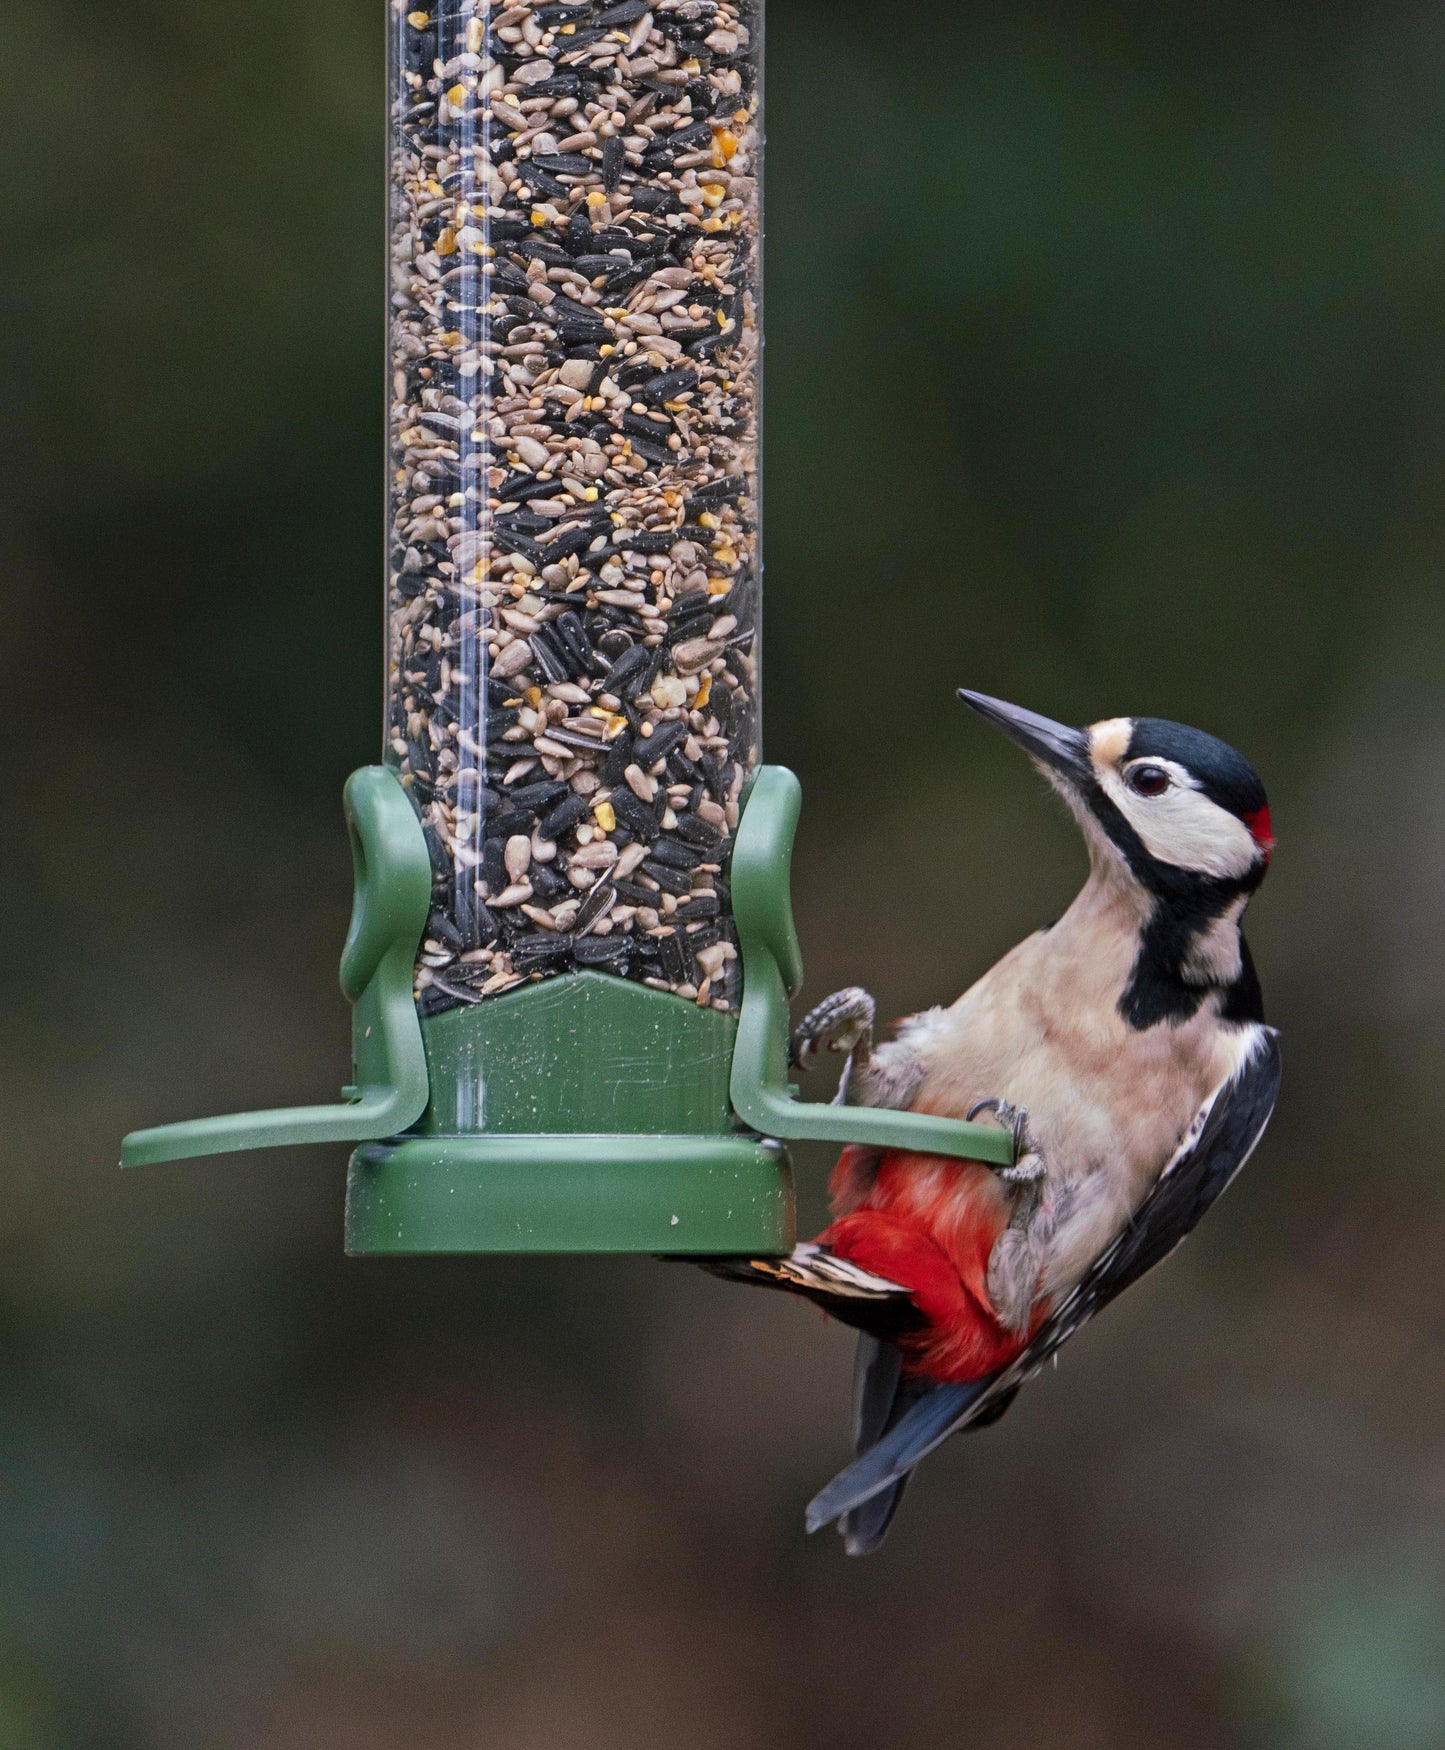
{"type": "Point", "coordinates": [1177, 811]}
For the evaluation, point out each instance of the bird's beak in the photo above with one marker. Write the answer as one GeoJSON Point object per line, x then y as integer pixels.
{"type": "Point", "coordinates": [1054, 745]}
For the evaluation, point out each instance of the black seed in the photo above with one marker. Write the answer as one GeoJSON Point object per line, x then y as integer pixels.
{"type": "Point", "coordinates": [536, 248]}
{"type": "Point", "coordinates": [506, 823]}
{"type": "Point", "coordinates": [717, 491]}
{"type": "Point", "coordinates": [697, 831]}
{"type": "Point", "coordinates": [703, 905]}
{"type": "Point", "coordinates": [619, 758]}
{"type": "Point", "coordinates": [442, 929]}
{"type": "Point", "coordinates": [480, 924]}
{"type": "Point", "coordinates": [607, 951]}
{"type": "Point", "coordinates": [532, 797]}
{"type": "Point", "coordinates": [626, 669]}
{"type": "Point", "coordinates": [566, 85]}
{"type": "Point", "coordinates": [612, 644]}
{"type": "Point", "coordinates": [517, 487]}
{"type": "Point", "coordinates": [493, 865]}
{"type": "Point", "coordinates": [676, 854]}
{"type": "Point", "coordinates": [548, 883]}
{"type": "Point", "coordinates": [647, 425]}
{"type": "Point", "coordinates": [685, 139]}
{"type": "Point", "coordinates": [562, 163]}
{"type": "Point", "coordinates": [597, 904]}
{"type": "Point", "coordinates": [657, 746]}
{"type": "Point", "coordinates": [676, 958]}
{"type": "Point", "coordinates": [613, 159]}
{"type": "Point", "coordinates": [566, 814]}
{"type": "Point", "coordinates": [676, 881]}
{"type": "Point", "coordinates": [511, 542]}
{"type": "Point", "coordinates": [631, 894]}
{"type": "Point", "coordinates": [670, 384]}
{"type": "Point", "coordinates": [654, 453]}
{"type": "Point", "coordinates": [551, 654]}
{"type": "Point", "coordinates": [644, 540]}
{"type": "Point", "coordinates": [522, 522]}
{"type": "Point", "coordinates": [579, 646]}
{"type": "Point", "coordinates": [573, 333]}
{"type": "Point", "coordinates": [637, 815]}
{"type": "Point", "coordinates": [534, 952]}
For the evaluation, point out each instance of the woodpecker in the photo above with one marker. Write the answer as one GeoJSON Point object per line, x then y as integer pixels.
{"type": "Point", "coordinates": [1125, 1049]}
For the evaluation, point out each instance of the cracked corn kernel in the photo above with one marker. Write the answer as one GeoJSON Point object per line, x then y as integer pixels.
{"type": "Point", "coordinates": [605, 817]}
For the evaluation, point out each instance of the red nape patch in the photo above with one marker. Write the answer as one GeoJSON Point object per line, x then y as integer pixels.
{"type": "Point", "coordinates": [1260, 831]}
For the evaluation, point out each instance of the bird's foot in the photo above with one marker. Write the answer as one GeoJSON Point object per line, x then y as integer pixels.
{"type": "Point", "coordinates": [1029, 1165]}
{"type": "Point", "coordinates": [842, 1022]}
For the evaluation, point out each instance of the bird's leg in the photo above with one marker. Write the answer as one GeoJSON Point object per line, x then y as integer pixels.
{"type": "Point", "coordinates": [1014, 1262]}
{"type": "Point", "coordinates": [843, 1023]}
{"type": "Point", "coordinates": [1029, 1164]}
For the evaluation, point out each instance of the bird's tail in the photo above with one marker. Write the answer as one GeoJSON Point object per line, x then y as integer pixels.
{"type": "Point", "coordinates": [866, 1493]}
{"type": "Point", "coordinates": [881, 1393]}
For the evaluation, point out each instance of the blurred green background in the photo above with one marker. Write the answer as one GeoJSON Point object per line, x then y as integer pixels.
{"type": "Point", "coordinates": [1106, 371]}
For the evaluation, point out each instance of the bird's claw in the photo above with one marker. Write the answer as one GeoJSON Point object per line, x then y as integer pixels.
{"type": "Point", "coordinates": [1029, 1165]}
{"type": "Point", "coordinates": [841, 1022]}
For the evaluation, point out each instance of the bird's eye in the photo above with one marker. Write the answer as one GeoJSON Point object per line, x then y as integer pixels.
{"type": "Point", "coordinates": [1148, 780]}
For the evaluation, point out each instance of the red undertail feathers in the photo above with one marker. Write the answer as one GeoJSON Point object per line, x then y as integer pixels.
{"type": "Point", "coordinates": [929, 1224]}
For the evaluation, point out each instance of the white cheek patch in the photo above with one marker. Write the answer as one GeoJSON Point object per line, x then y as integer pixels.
{"type": "Point", "coordinates": [1183, 827]}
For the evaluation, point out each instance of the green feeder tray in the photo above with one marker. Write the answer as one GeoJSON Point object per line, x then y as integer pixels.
{"type": "Point", "coordinates": [585, 1113]}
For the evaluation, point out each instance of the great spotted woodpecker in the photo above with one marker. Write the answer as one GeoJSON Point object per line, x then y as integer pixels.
{"type": "Point", "coordinates": [1124, 1046]}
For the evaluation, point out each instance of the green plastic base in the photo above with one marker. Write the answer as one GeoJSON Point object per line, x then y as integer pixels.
{"type": "Point", "coordinates": [650, 1194]}
{"type": "Point", "coordinates": [583, 1114]}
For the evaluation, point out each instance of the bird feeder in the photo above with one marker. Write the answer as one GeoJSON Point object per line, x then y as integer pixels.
{"type": "Point", "coordinates": [571, 949]}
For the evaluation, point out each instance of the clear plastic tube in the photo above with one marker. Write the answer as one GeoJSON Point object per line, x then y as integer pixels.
{"type": "Point", "coordinates": [573, 565]}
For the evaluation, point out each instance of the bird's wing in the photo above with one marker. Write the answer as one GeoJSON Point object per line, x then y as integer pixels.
{"type": "Point", "coordinates": [1217, 1144]}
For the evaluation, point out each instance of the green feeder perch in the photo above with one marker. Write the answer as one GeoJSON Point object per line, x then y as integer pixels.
{"type": "Point", "coordinates": [571, 948]}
